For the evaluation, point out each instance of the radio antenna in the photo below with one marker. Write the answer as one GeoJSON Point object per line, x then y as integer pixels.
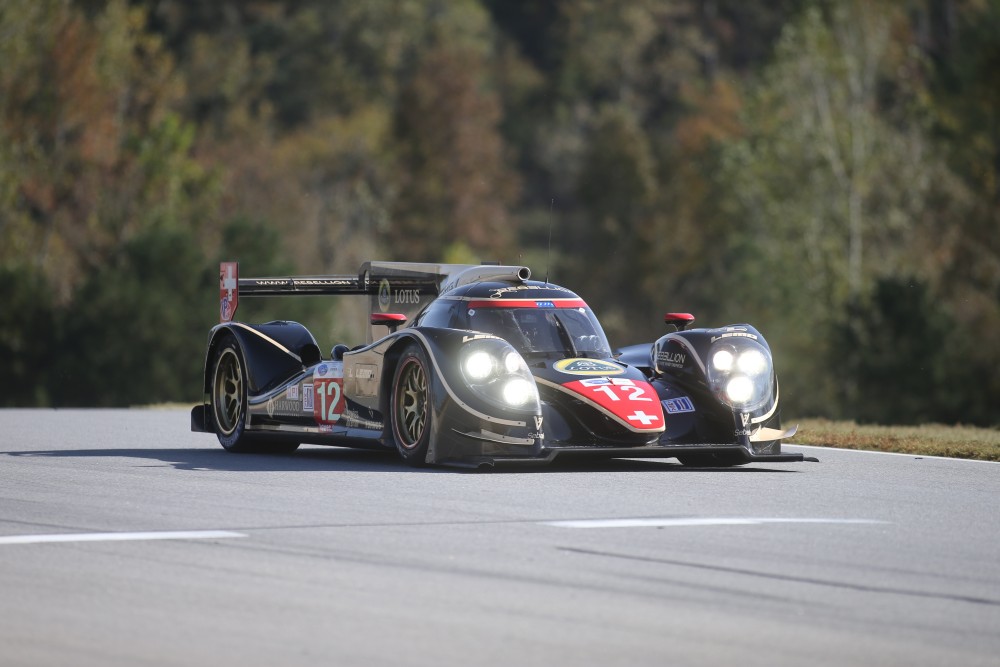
{"type": "Point", "coordinates": [548, 251]}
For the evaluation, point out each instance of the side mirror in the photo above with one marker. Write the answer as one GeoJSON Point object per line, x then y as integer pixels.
{"type": "Point", "coordinates": [680, 321]}
{"type": "Point", "coordinates": [391, 320]}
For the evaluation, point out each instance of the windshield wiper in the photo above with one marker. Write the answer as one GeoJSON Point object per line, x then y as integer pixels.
{"type": "Point", "coordinates": [566, 338]}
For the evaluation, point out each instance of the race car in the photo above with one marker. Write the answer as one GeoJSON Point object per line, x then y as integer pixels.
{"type": "Point", "coordinates": [478, 365]}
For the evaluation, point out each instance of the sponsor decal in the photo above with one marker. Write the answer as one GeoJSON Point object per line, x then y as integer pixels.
{"type": "Point", "coordinates": [538, 433]}
{"type": "Point", "coordinates": [466, 339]}
{"type": "Point", "coordinates": [678, 405]}
{"type": "Point", "coordinates": [745, 418]}
{"type": "Point", "coordinates": [384, 295]}
{"type": "Point", "coordinates": [588, 367]}
{"type": "Point", "coordinates": [365, 373]}
{"type": "Point", "coordinates": [545, 304]}
{"type": "Point", "coordinates": [671, 359]}
{"type": "Point", "coordinates": [312, 282]}
{"type": "Point", "coordinates": [292, 393]}
{"type": "Point", "coordinates": [501, 291]}
{"type": "Point", "coordinates": [734, 334]}
{"type": "Point", "coordinates": [307, 398]}
{"type": "Point", "coordinates": [595, 382]}
{"type": "Point", "coordinates": [281, 406]}
{"type": "Point", "coordinates": [407, 296]}
{"type": "Point", "coordinates": [353, 419]}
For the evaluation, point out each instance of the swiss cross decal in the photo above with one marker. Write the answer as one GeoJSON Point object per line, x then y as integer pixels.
{"type": "Point", "coordinates": [229, 293]}
{"type": "Point", "coordinates": [634, 403]}
{"type": "Point", "coordinates": [643, 418]}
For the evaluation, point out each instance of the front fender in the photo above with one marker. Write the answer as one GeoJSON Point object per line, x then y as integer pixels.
{"type": "Point", "coordinates": [466, 425]}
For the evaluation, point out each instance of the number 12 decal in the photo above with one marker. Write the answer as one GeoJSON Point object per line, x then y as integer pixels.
{"type": "Point", "coordinates": [634, 393]}
{"type": "Point", "coordinates": [329, 403]}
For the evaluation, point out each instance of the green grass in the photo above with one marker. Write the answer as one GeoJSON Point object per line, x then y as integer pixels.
{"type": "Point", "coordinates": [963, 442]}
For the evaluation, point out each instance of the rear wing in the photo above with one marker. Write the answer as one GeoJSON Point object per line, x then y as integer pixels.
{"type": "Point", "coordinates": [398, 288]}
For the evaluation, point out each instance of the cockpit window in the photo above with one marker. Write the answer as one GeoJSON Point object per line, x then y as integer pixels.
{"type": "Point", "coordinates": [562, 331]}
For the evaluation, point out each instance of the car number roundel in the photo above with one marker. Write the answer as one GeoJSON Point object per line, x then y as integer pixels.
{"type": "Point", "coordinates": [328, 391]}
{"type": "Point", "coordinates": [633, 403]}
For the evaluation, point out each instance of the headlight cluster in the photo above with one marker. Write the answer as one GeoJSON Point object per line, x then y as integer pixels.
{"type": "Point", "coordinates": [740, 373]}
{"type": "Point", "coordinates": [495, 370]}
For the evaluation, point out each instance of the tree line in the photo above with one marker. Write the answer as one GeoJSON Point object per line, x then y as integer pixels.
{"type": "Point", "coordinates": [827, 171]}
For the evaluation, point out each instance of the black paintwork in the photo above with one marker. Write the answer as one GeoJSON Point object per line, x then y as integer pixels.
{"type": "Point", "coordinates": [284, 361]}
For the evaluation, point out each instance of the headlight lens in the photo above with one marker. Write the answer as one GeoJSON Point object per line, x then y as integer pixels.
{"type": "Point", "coordinates": [740, 389]}
{"type": "Point", "coordinates": [751, 362]}
{"type": "Point", "coordinates": [495, 371]}
{"type": "Point", "coordinates": [519, 391]}
{"type": "Point", "coordinates": [479, 365]}
{"type": "Point", "coordinates": [513, 363]}
{"type": "Point", "coordinates": [723, 361]}
{"type": "Point", "coordinates": [740, 373]}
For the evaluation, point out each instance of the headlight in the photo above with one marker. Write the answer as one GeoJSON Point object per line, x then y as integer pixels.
{"type": "Point", "coordinates": [519, 391]}
{"type": "Point", "coordinates": [740, 373]}
{"type": "Point", "coordinates": [495, 371]}
{"type": "Point", "coordinates": [739, 390]}
{"type": "Point", "coordinates": [723, 361]}
{"type": "Point", "coordinates": [752, 362]}
{"type": "Point", "coordinates": [479, 365]}
{"type": "Point", "coordinates": [514, 363]}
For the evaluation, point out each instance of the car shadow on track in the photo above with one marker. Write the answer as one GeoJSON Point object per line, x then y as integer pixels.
{"type": "Point", "coordinates": [199, 459]}
{"type": "Point", "coordinates": [633, 465]}
{"type": "Point", "coordinates": [326, 459]}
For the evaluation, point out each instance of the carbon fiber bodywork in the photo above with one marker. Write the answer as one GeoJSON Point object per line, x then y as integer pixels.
{"type": "Point", "coordinates": [498, 370]}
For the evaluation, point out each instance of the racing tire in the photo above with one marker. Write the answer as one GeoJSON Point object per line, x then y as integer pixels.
{"type": "Point", "coordinates": [410, 406]}
{"type": "Point", "coordinates": [229, 404]}
{"type": "Point", "coordinates": [710, 460]}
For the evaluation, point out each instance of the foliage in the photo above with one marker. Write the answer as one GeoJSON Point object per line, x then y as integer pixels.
{"type": "Point", "coordinates": [827, 171]}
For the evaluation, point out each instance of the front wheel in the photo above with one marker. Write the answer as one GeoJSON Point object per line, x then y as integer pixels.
{"type": "Point", "coordinates": [410, 409]}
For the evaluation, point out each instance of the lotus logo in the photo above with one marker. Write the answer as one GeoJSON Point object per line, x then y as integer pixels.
{"type": "Point", "coordinates": [384, 295]}
{"type": "Point", "coordinates": [588, 367]}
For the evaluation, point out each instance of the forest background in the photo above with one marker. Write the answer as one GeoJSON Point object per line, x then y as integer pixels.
{"type": "Point", "coordinates": [826, 171]}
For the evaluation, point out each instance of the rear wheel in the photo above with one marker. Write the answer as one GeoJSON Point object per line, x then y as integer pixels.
{"type": "Point", "coordinates": [229, 404]}
{"type": "Point", "coordinates": [410, 411]}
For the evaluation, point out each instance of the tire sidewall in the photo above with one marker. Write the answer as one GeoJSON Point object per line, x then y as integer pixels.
{"type": "Point", "coordinates": [234, 440]}
{"type": "Point", "coordinates": [416, 455]}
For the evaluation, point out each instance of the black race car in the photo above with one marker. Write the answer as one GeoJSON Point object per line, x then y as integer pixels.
{"type": "Point", "coordinates": [473, 365]}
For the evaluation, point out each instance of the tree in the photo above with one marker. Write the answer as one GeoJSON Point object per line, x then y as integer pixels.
{"type": "Point", "coordinates": [831, 182]}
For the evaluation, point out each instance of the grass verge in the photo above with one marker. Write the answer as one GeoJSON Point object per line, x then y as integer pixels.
{"type": "Point", "coordinates": [963, 442]}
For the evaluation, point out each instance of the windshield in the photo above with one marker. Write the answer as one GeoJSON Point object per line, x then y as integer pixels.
{"type": "Point", "coordinates": [564, 332]}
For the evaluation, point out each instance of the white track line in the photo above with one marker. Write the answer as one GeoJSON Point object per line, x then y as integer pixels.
{"type": "Point", "coordinates": [119, 537]}
{"type": "Point", "coordinates": [693, 521]}
{"type": "Point", "coordinates": [875, 451]}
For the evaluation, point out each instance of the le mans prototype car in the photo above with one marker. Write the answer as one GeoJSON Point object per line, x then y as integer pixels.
{"type": "Point", "coordinates": [477, 365]}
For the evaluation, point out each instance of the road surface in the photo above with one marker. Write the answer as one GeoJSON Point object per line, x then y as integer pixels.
{"type": "Point", "coordinates": [125, 539]}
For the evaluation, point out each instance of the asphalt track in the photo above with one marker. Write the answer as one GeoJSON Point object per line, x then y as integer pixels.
{"type": "Point", "coordinates": [127, 540]}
